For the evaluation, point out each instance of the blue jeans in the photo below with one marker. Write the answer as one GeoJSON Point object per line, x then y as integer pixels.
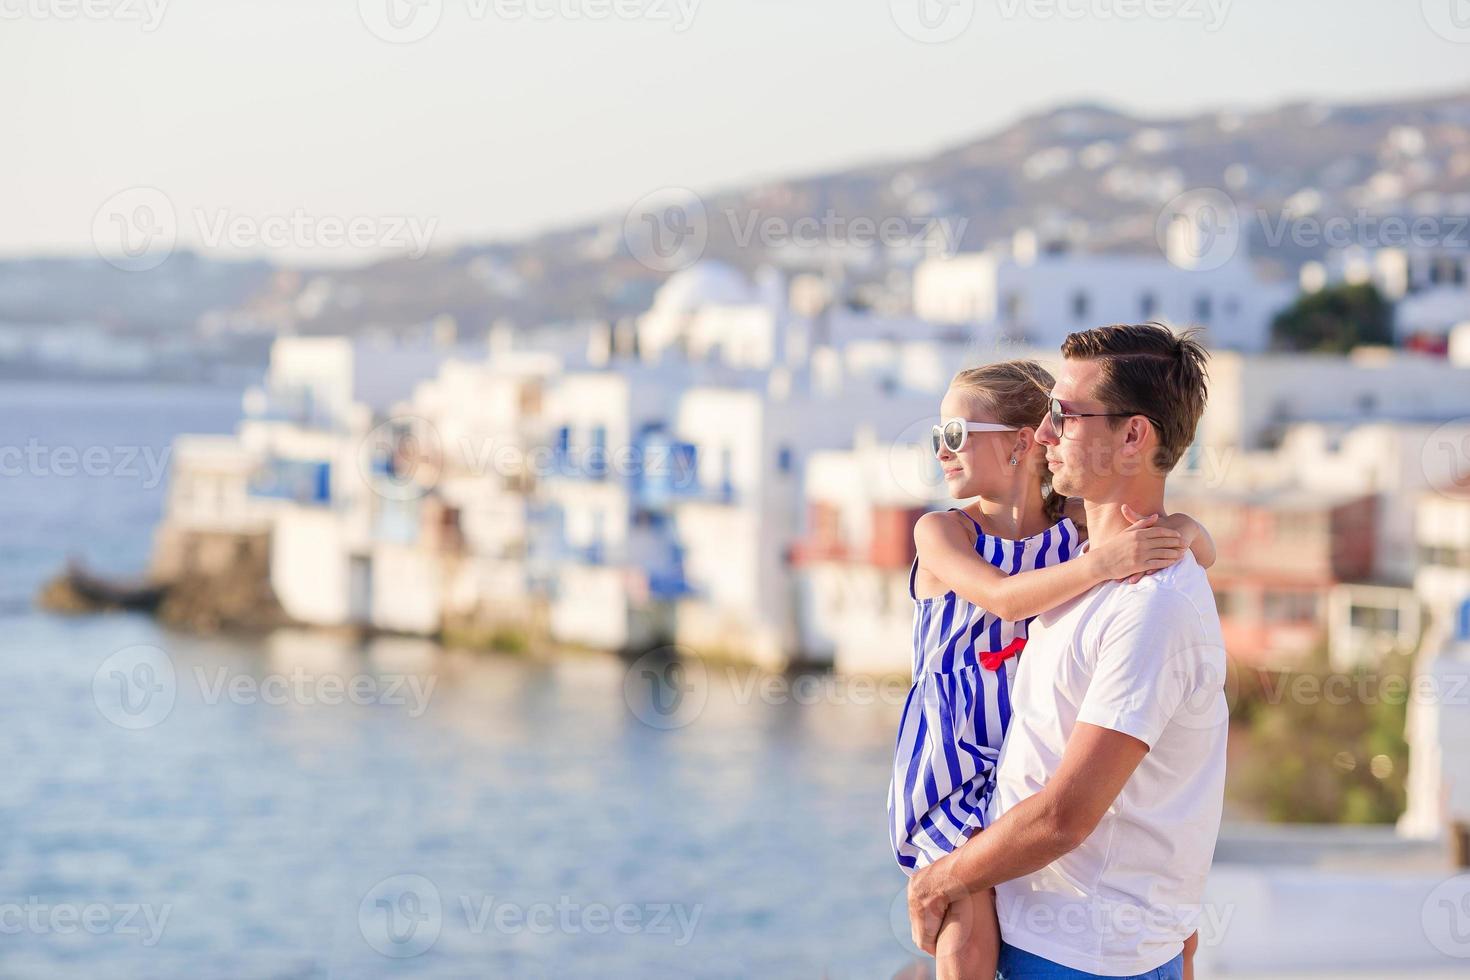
{"type": "Point", "coordinates": [1017, 964]}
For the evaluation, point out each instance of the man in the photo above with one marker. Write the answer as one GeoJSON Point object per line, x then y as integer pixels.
{"type": "Point", "coordinates": [1111, 779]}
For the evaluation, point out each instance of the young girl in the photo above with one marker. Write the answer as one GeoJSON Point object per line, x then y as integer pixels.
{"type": "Point", "coordinates": [981, 574]}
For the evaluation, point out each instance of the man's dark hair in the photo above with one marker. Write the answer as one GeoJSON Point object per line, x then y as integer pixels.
{"type": "Point", "coordinates": [1147, 369]}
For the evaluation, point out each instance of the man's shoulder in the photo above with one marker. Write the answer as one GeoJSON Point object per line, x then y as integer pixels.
{"type": "Point", "coordinates": [1180, 595]}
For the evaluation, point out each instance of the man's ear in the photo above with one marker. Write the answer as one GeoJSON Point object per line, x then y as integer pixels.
{"type": "Point", "coordinates": [1134, 435]}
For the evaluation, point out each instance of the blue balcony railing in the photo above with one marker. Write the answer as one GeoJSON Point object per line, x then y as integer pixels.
{"type": "Point", "coordinates": [301, 480]}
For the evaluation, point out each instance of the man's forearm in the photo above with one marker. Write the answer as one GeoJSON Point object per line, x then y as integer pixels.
{"type": "Point", "coordinates": [1030, 835]}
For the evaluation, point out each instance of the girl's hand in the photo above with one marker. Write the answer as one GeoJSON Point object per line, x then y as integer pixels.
{"type": "Point", "coordinates": [1143, 547]}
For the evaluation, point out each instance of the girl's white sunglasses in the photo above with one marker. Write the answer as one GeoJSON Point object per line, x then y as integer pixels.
{"type": "Point", "coordinates": [951, 433]}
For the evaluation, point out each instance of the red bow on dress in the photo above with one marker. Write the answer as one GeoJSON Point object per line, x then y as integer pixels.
{"type": "Point", "coordinates": [993, 659]}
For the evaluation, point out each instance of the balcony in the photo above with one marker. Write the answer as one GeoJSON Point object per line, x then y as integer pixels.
{"type": "Point", "coordinates": [303, 481]}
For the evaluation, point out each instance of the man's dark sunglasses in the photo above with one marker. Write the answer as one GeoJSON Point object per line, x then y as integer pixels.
{"type": "Point", "coordinates": [1059, 417]}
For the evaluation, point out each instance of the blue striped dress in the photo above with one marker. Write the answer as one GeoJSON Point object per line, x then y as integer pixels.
{"type": "Point", "coordinates": [959, 707]}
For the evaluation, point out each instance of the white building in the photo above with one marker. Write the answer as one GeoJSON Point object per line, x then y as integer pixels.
{"type": "Point", "coordinates": [600, 532]}
{"type": "Point", "coordinates": [1253, 398]}
{"type": "Point", "coordinates": [302, 469]}
{"type": "Point", "coordinates": [711, 312]}
{"type": "Point", "coordinates": [1429, 286]}
{"type": "Point", "coordinates": [1039, 295]}
{"type": "Point", "coordinates": [855, 558]}
{"type": "Point", "coordinates": [451, 547]}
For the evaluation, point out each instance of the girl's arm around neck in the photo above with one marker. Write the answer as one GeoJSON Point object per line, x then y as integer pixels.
{"type": "Point", "coordinates": [947, 551]}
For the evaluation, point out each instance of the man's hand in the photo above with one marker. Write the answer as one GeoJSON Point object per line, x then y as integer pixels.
{"type": "Point", "coordinates": [931, 891]}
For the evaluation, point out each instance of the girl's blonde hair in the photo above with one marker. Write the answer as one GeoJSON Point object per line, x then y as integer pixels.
{"type": "Point", "coordinates": [1017, 393]}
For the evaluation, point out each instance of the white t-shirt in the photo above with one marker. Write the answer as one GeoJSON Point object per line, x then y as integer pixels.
{"type": "Point", "coordinates": [1146, 660]}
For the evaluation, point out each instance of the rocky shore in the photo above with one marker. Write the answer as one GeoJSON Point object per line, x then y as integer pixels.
{"type": "Point", "coordinates": [204, 581]}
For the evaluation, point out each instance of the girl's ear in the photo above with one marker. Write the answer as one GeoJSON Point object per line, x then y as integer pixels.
{"type": "Point", "coordinates": [1025, 439]}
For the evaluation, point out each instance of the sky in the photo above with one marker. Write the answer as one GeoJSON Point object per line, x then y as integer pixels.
{"type": "Point", "coordinates": [260, 122]}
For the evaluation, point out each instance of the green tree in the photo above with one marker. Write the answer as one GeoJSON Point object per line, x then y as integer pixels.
{"type": "Point", "coordinates": [1315, 747]}
{"type": "Point", "coordinates": [1334, 320]}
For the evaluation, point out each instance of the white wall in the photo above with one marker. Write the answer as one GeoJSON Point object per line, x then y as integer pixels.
{"type": "Point", "coordinates": [1036, 300]}
{"type": "Point", "coordinates": [407, 589]}
{"type": "Point", "coordinates": [309, 566]}
{"type": "Point", "coordinates": [591, 607]}
{"type": "Point", "coordinates": [1250, 395]}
